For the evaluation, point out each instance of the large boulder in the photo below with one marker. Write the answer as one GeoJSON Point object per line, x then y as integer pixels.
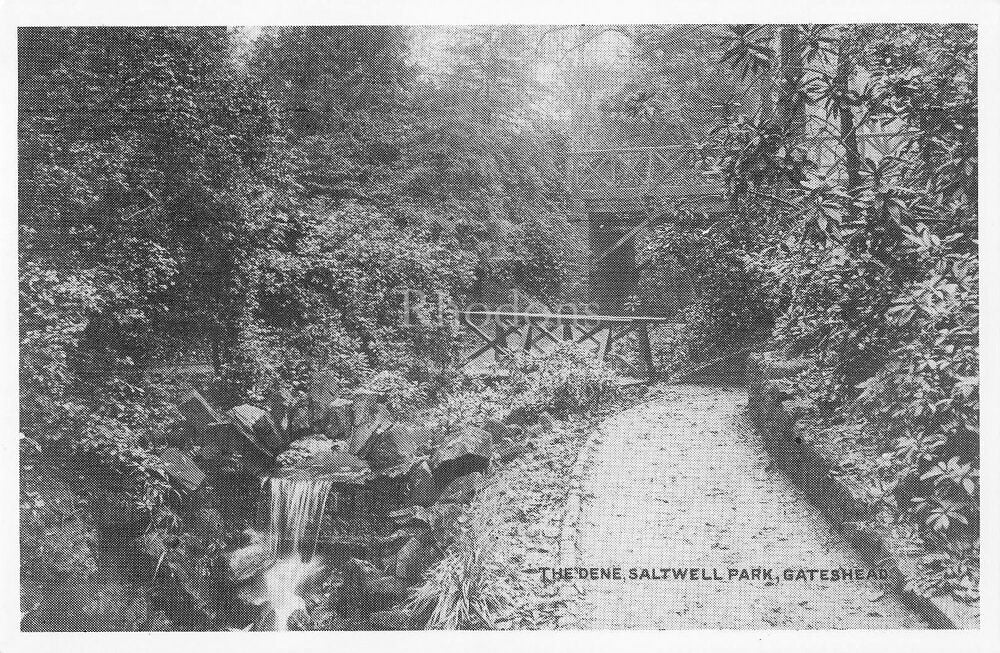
{"type": "Point", "coordinates": [415, 558]}
{"type": "Point", "coordinates": [181, 469]}
{"type": "Point", "coordinates": [462, 489]}
{"type": "Point", "coordinates": [199, 414]}
{"type": "Point", "coordinates": [337, 466]}
{"type": "Point", "coordinates": [259, 423]}
{"type": "Point", "coordinates": [420, 488]}
{"type": "Point", "coordinates": [243, 564]}
{"type": "Point", "coordinates": [368, 589]}
{"type": "Point", "coordinates": [396, 444]}
{"type": "Point", "coordinates": [509, 440]}
{"type": "Point", "coordinates": [464, 450]}
{"type": "Point", "coordinates": [370, 416]}
{"type": "Point", "coordinates": [176, 564]}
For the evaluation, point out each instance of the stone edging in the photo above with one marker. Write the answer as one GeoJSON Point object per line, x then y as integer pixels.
{"type": "Point", "coordinates": [569, 530]}
{"type": "Point", "coordinates": [837, 498]}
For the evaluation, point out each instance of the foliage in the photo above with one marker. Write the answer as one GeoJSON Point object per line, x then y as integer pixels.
{"type": "Point", "coordinates": [732, 302]}
{"type": "Point", "coordinates": [397, 394]}
{"type": "Point", "coordinates": [880, 259]}
{"type": "Point", "coordinates": [954, 569]}
{"type": "Point", "coordinates": [471, 588]}
{"type": "Point", "coordinates": [148, 184]}
{"type": "Point", "coordinates": [568, 379]}
{"type": "Point", "coordinates": [926, 398]}
{"type": "Point", "coordinates": [471, 401]}
{"type": "Point", "coordinates": [678, 88]}
{"type": "Point", "coordinates": [482, 156]}
{"type": "Point", "coordinates": [347, 91]}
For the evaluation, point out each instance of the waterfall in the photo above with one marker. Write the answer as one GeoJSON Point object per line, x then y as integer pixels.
{"type": "Point", "coordinates": [296, 505]}
{"type": "Point", "coordinates": [294, 520]}
{"type": "Point", "coordinates": [281, 587]}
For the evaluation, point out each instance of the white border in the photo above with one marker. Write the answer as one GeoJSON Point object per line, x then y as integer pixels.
{"type": "Point", "coordinates": [255, 12]}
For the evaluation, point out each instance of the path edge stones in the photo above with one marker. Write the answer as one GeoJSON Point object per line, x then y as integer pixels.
{"type": "Point", "coordinates": [809, 469]}
{"type": "Point", "coordinates": [569, 530]}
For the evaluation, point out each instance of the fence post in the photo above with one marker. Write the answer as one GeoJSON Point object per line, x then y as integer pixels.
{"type": "Point", "coordinates": [645, 349]}
{"type": "Point", "coordinates": [648, 186]}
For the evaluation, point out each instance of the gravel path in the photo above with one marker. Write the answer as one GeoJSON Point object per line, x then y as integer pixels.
{"type": "Point", "coordinates": [682, 482]}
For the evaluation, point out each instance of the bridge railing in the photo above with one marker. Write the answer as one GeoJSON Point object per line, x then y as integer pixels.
{"type": "Point", "coordinates": [658, 170]}
{"type": "Point", "coordinates": [683, 170]}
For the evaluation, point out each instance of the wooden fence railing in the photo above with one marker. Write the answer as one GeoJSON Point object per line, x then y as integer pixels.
{"type": "Point", "coordinates": [503, 333]}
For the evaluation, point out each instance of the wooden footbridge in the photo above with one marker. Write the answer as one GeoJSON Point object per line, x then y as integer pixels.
{"type": "Point", "coordinates": [624, 192]}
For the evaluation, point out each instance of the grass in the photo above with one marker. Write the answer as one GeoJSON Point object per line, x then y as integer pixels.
{"type": "Point", "coordinates": [471, 588]}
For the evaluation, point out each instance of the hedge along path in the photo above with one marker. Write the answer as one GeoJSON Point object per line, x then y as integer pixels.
{"type": "Point", "coordinates": [683, 482]}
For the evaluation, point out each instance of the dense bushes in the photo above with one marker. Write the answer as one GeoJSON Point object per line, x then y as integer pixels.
{"type": "Point", "coordinates": [188, 196]}
{"type": "Point", "coordinates": [733, 299]}
{"type": "Point", "coordinates": [569, 380]}
{"type": "Point", "coordinates": [880, 264]}
{"type": "Point", "coordinates": [869, 263]}
{"type": "Point", "coordinates": [925, 400]}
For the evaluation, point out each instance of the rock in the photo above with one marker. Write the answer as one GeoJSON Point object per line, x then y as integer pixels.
{"type": "Point", "coordinates": [370, 416]}
{"type": "Point", "coordinates": [258, 422]}
{"type": "Point", "coordinates": [547, 422]}
{"type": "Point", "coordinates": [175, 565]}
{"type": "Point", "coordinates": [299, 620]}
{"type": "Point", "coordinates": [465, 450]}
{"type": "Point", "coordinates": [415, 558]}
{"type": "Point", "coordinates": [238, 447]}
{"type": "Point", "coordinates": [182, 470]}
{"type": "Point", "coordinates": [509, 440]}
{"type": "Point", "coordinates": [414, 516]}
{"type": "Point", "coordinates": [420, 488]}
{"type": "Point", "coordinates": [243, 564]}
{"type": "Point", "coordinates": [395, 445]}
{"type": "Point", "coordinates": [339, 419]}
{"type": "Point", "coordinates": [502, 432]}
{"type": "Point", "coordinates": [367, 588]}
{"type": "Point", "coordinates": [198, 413]}
{"type": "Point", "coordinates": [324, 618]}
{"type": "Point", "coordinates": [462, 489]}
{"type": "Point", "coordinates": [337, 466]}
{"type": "Point", "coordinates": [445, 521]}
{"type": "Point", "coordinates": [778, 368]}
{"type": "Point", "coordinates": [508, 451]}
{"type": "Point", "coordinates": [209, 523]}
{"type": "Point", "coordinates": [290, 413]}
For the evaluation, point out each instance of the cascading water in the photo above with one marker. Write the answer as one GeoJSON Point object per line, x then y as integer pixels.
{"type": "Point", "coordinates": [296, 507]}
{"type": "Point", "coordinates": [295, 515]}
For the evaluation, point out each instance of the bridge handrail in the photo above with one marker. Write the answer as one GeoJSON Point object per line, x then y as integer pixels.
{"type": "Point", "coordinates": [637, 148]}
{"type": "Point", "coordinates": [609, 170]}
{"type": "Point", "coordinates": [572, 316]}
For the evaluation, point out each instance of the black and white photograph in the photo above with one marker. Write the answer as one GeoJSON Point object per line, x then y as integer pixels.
{"type": "Point", "coordinates": [500, 326]}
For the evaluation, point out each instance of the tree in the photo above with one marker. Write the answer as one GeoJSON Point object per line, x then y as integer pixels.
{"type": "Point", "coordinates": [483, 154]}
{"type": "Point", "coordinates": [346, 92]}
{"type": "Point", "coordinates": [152, 180]}
{"type": "Point", "coordinates": [880, 260]}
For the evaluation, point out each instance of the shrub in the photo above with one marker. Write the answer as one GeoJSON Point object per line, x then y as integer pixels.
{"type": "Point", "coordinates": [472, 587]}
{"type": "Point", "coordinates": [733, 300]}
{"type": "Point", "coordinates": [925, 402]}
{"type": "Point", "coordinates": [569, 379]}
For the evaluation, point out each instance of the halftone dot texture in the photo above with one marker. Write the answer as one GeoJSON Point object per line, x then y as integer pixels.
{"type": "Point", "coordinates": [683, 482]}
{"type": "Point", "coordinates": [677, 483]}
